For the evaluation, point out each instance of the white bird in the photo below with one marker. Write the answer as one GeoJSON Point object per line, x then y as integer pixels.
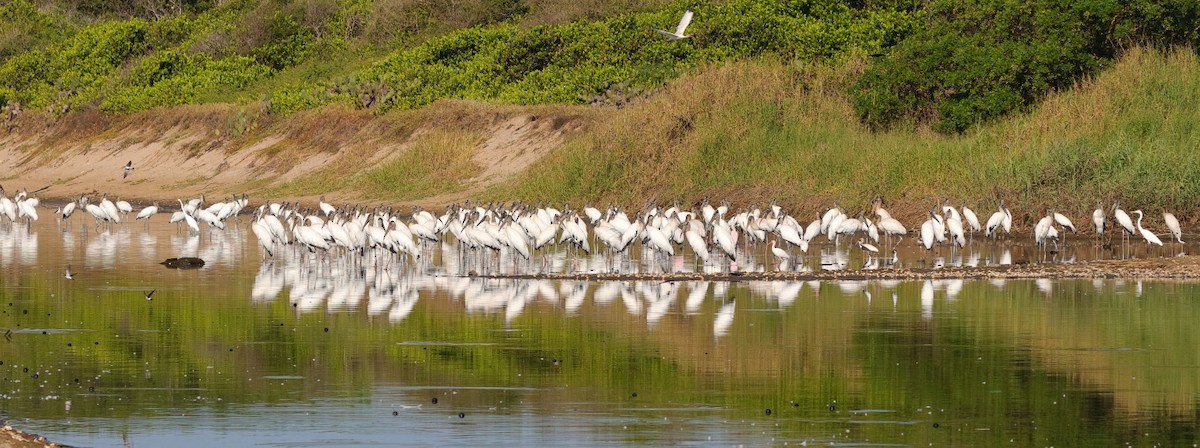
{"type": "Point", "coordinates": [696, 242]}
{"type": "Point", "coordinates": [325, 207]}
{"type": "Point", "coordinates": [110, 210]}
{"type": "Point", "coordinates": [1150, 237]}
{"type": "Point", "coordinates": [1173, 225]}
{"type": "Point", "coordinates": [1062, 220]}
{"type": "Point", "coordinates": [124, 207]}
{"type": "Point", "coordinates": [955, 227]}
{"type": "Point", "coordinates": [679, 29]}
{"type": "Point", "coordinates": [867, 247]}
{"type": "Point", "coordinates": [971, 219]}
{"type": "Point", "coordinates": [812, 230]}
{"type": "Point", "coordinates": [994, 222]}
{"type": "Point", "coordinates": [950, 212]}
{"type": "Point", "coordinates": [1041, 231]}
{"type": "Point", "coordinates": [68, 209]}
{"type": "Point", "coordinates": [655, 239]}
{"type": "Point", "coordinates": [1098, 219]}
{"type": "Point", "coordinates": [1123, 218]}
{"type": "Point", "coordinates": [939, 227]}
{"type": "Point", "coordinates": [1007, 222]}
{"type": "Point", "coordinates": [877, 208]}
{"type": "Point", "coordinates": [147, 212]}
{"type": "Point", "coordinates": [891, 226]}
{"type": "Point", "coordinates": [128, 169]}
{"type": "Point", "coordinates": [927, 230]}
{"type": "Point", "coordinates": [725, 239]}
{"type": "Point", "coordinates": [781, 254]}
{"type": "Point", "coordinates": [264, 236]}
{"type": "Point", "coordinates": [27, 208]}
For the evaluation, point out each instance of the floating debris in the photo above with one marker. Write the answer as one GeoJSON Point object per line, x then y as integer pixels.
{"type": "Point", "coordinates": [183, 263]}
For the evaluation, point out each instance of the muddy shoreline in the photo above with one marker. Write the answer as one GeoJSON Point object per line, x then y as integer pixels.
{"type": "Point", "coordinates": [13, 438]}
{"type": "Point", "coordinates": [1172, 268]}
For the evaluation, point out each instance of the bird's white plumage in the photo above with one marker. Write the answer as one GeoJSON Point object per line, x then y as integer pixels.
{"type": "Point", "coordinates": [680, 28]}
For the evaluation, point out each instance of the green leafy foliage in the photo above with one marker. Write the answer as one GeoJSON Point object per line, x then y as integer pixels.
{"type": "Point", "coordinates": [235, 51]}
{"type": "Point", "coordinates": [949, 63]}
{"type": "Point", "coordinates": [74, 72]}
{"type": "Point", "coordinates": [574, 62]}
{"type": "Point", "coordinates": [975, 60]}
{"type": "Point", "coordinates": [23, 27]}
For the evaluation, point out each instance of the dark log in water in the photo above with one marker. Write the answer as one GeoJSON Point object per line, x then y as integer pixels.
{"type": "Point", "coordinates": [183, 263]}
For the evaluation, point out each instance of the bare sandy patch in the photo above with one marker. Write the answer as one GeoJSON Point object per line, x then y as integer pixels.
{"type": "Point", "coordinates": [187, 151]}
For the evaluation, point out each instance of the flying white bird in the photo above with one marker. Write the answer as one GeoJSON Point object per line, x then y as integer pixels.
{"type": "Point", "coordinates": [128, 168]}
{"type": "Point", "coordinates": [683, 24]}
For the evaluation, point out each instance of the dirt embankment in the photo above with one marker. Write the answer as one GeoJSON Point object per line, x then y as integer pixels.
{"type": "Point", "coordinates": [222, 150]}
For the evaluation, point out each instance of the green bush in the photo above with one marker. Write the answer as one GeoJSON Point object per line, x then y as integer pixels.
{"type": "Point", "coordinates": [573, 62]}
{"type": "Point", "coordinates": [250, 49]}
{"type": "Point", "coordinates": [976, 60]}
{"type": "Point", "coordinates": [74, 72]}
{"type": "Point", "coordinates": [23, 27]}
{"type": "Point", "coordinates": [287, 42]}
{"type": "Point", "coordinates": [172, 78]}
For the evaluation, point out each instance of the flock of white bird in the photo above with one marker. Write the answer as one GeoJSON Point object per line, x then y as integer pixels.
{"type": "Point", "coordinates": [483, 233]}
{"type": "Point", "coordinates": [709, 232]}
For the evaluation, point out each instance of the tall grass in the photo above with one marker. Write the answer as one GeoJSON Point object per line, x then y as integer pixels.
{"type": "Point", "coordinates": [759, 130]}
{"type": "Point", "coordinates": [433, 163]}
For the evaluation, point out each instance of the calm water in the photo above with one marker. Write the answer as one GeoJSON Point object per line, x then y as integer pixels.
{"type": "Point", "coordinates": [294, 353]}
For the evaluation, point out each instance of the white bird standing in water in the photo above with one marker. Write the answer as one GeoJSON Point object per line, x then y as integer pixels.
{"type": "Point", "coordinates": [867, 247]}
{"type": "Point", "coordinates": [1124, 221]}
{"type": "Point", "coordinates": [1063, 220]}
{"type": "Point", "coordinates": [1173, 226]}
{"type": "Point", "coordinates": [1123, 218]}
{"type": "Point", "coordinates": [679, 29]}
{"type": "Point", "coordinates": [147, 212]}
{"type": "Point", "coordinates": [996, 221]}
{"type": "Point", "coordinates": [1150, 237]}
{"type": "Point", "coordinates": [927, 232]}
{"type": "Point", "coordinates": [1098, 218]}
{"type": "Point", "coordinates": [68, 209]}
{"type": "Point", "coordinates": [971, 219]}
{"type": "Point", "coordinates": [779, 253]}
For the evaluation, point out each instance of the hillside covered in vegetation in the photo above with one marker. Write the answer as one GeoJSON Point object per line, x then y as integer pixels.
{"type": "Point", "coordinates": [951, 63]}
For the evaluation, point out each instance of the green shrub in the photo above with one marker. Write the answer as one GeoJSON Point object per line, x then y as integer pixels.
{"type": "Point", "coordinates": [976, 60]}
{"type": "Point", "coordinates": [249, 49]}
{"type": "Point", "coordinates": [74, 72]}
{"type": "Point", "coordinates": [574, 62]}
{"type": "Point", "coordinates": [287, 42]}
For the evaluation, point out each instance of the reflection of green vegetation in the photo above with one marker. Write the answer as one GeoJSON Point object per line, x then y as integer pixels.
{"type": "Point", "coordinates": [1009, 360]}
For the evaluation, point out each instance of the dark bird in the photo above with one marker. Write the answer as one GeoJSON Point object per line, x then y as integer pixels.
{"type": "Point", "coordinates": [70, 275]}
{"type": "Point", "coordinates": [128, 168]}
{"type": "Point", "coordinates": [149, 295]}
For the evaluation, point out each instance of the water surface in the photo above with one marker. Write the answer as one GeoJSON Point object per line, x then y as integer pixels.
{"type": "Point", "coordinates": [298, 352]}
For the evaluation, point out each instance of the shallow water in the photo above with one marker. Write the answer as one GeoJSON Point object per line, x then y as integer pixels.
{"type": "Point", "coordinates": [295, 352]}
